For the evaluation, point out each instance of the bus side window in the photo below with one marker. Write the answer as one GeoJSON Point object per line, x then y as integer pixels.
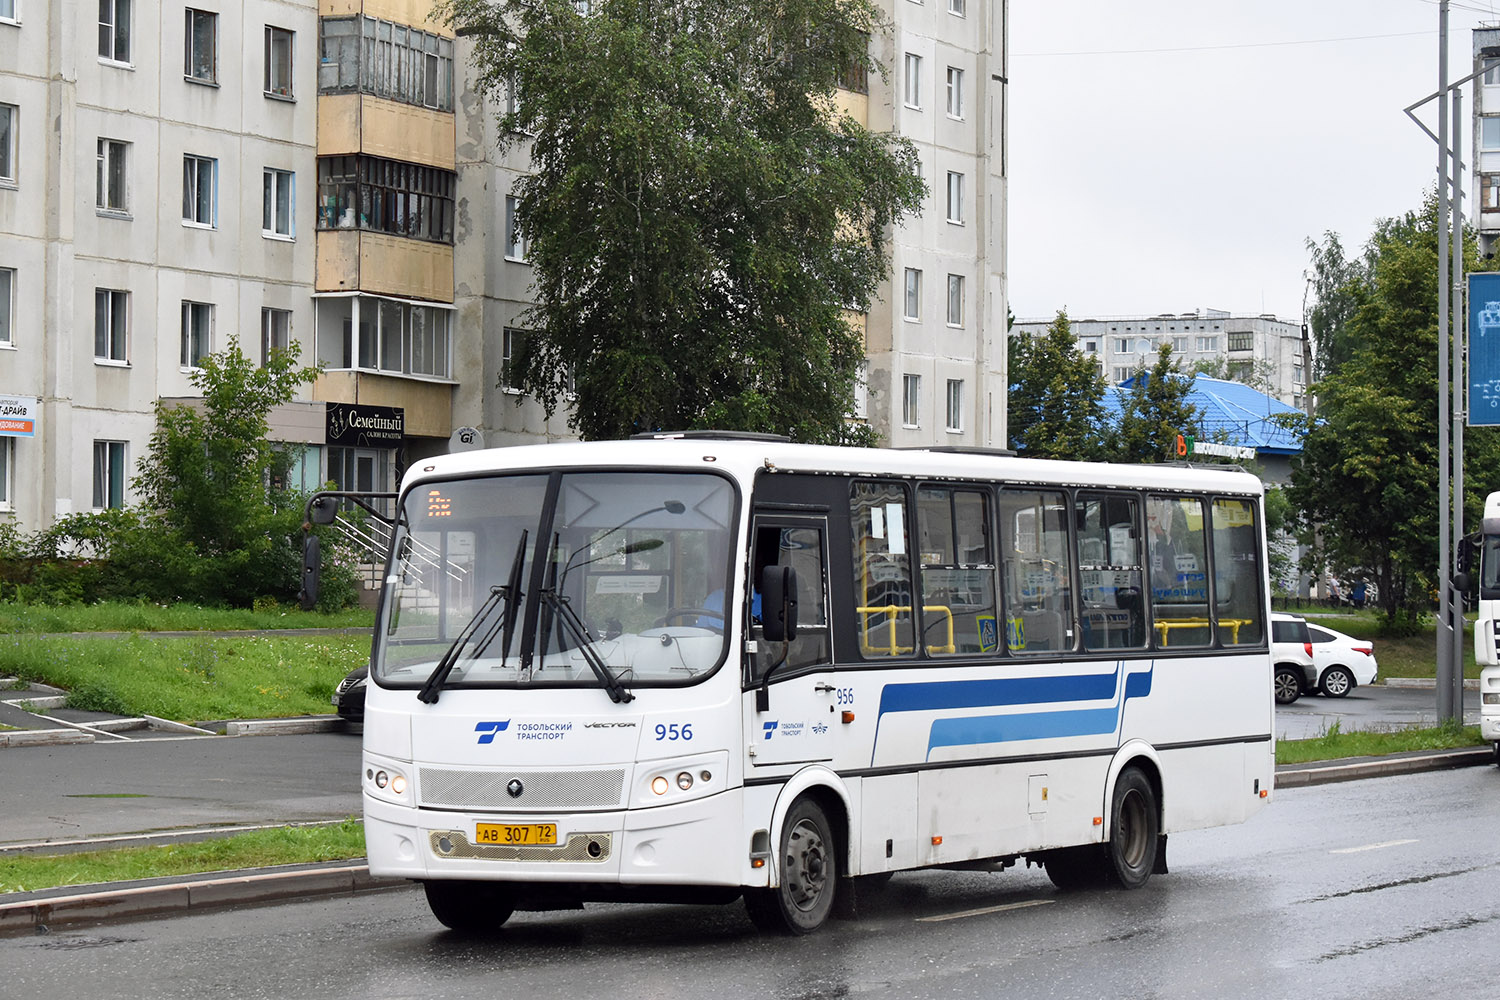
{"type": "Point", "coordinates": [1238, 575]}
{"type": "Point", "coordinates": [1109, 559]}
{"type": "Point", "coordinates": [958, 572]}
{"type": "Point", "coordinates": [1038, 571]}
{"type": "Point", "coordinates": [883, 594]}
{"type": "Point", "coordinates": [1177, 564]}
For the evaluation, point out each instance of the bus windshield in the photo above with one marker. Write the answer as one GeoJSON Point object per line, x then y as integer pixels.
{"type": "Point", "coordinates": [631, 589]}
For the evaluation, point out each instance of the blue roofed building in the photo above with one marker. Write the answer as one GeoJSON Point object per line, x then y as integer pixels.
{"type": "Point", "coordinates": [1233, 417]}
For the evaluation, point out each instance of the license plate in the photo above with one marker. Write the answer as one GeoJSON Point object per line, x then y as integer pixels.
{"type": "Point", "coordinates": [515, 833]}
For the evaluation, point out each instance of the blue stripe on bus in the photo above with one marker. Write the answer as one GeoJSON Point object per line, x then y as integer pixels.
{"type": "Point", "coordinates": [1027, 726]}
{"type": "Point", "coordinates": [1015, 691]}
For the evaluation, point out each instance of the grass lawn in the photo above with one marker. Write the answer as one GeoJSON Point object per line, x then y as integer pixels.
{"type": "Point", "coordinates": [256, 849]}
{"type": "Point", "coordinates": [189, 679]}
{"type": "Point", "coordinates": [116, 617]}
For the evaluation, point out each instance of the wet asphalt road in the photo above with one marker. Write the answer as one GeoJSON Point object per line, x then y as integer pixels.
{"type": "Point", "coordinates": [1383, 889]}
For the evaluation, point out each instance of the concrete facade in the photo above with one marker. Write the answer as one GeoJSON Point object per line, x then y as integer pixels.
{"type": "Point", "coordinates": [110, 129]}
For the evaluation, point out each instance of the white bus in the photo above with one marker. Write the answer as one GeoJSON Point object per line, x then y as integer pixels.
{"type": "Point", "coordinates": [707, 667]}
{"type": "Point", "coordinates": [1487, 619]}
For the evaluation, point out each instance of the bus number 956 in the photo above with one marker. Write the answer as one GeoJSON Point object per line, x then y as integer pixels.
{"type": "Point", "coordinates": [674, 732]}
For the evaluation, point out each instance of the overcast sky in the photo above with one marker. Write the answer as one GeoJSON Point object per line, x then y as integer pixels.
{"type": "Point", "coordinates": [1172, 155]}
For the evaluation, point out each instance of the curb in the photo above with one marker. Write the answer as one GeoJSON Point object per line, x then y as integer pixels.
{"type": "Point", "coordinates": [1304, 775]}
{"type": "Point", "coordinates": [191, 894]}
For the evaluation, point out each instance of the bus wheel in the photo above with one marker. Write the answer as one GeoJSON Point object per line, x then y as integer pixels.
{"type": "Point", "coordinates": [809, 875]}
{"type": "Point", "coordinates": [1134, 826]}
{"type": "Point", "coordinates": [470, 907]}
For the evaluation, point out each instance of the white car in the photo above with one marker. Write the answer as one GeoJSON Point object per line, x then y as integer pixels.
{"type": "Point", "coordinates": [1291, 657]}
{"type": "Point", "coordinates": [1340, 662]}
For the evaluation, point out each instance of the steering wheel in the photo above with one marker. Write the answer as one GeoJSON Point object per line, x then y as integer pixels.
{"type": "Point", "coordinates": [674, 614]}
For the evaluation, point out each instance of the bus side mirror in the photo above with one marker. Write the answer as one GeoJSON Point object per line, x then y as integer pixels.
{"type": "Point", "coordinates": [312, 564]}
{"type": "Point", "coordinates": [322, 510]}
{"type": "Point", "coordinates": [778, 600]}
{"type": "Point", "coordinates": [1461, 583]}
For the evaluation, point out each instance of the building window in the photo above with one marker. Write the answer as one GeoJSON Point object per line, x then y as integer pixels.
{"type": "Point", "coordinates": [114, 30]}
{"type": "Point", "coordinates": [862, 392]}
{"type": "Point", "coordinates": [111, 324]}
{"type": "Point", "coordinates": [1179, 344]}
{"type": "Point", "coordinates": [1122, 373]}
{"type": "Point", "coordinates": [1207, 344]}
{"type": "Point", "coordinates": [9, 11]}
{"type": "Point", "coordinates": [109, 474]}
{"type": "Point", "coordinates": [955, 300]}
{"type": "Point", "coordinates": [278, 62]}
{"type": "Point", "coordinates": [911, 400]}
{"type": "Point", "coordinates": [955, 197]}
{"type": "Point", "coordinates": [1091, 347]}
{"type": "Point", "coordinates": [1491, 72]}
{"type": "Point", "coordinates": [955, 92]}
{"type": "Point", "coordinates": [1297, 375]}
{"type": "Point", "coordinates": [9, 114]}
{"type": "Point", "coordinates": [370, 56]}
{"type": "Point", "coordinates": [386, 196]}
{"type": "Point", "coordinates": [913, 81]}
{"type": "Point", "coordinates": [515, 245]}
{"type": "Point", "coordinates": [955, 408]}
{"type": "Point", "coordinates": [278, 195]}
{"type": "Point", "coordinates": [7, 300]}
{"type": "Point", "coordinates": [378, 334]}
{"type": "Point", "coordinates": [510, 359]}
{"type": "Point", "coordinates": [1489, 192]}
{"type": "Point", "coordinates": [199, 177]}
{"type": "Point", "coordinates": [197, 332]}
{"type": "Point", "coordinates": [110, 183]}
{"type": "Point", "coordinates": [201, 55]}
{"type": "Point", "coordinates": [957, 7]}
{"type": "Point", "coordinates": [275, 332]}
{"type": "Point", "coordinates": [1243, 340]}
{"type": "Point", "coordinates": [854, 77]}
{"type": "Point", "coordinates": [1122, 345]}
{"type": "Point", "coordinates": [913, 309]}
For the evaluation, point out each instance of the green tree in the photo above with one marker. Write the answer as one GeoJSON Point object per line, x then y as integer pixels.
{"type": "Point", "coordinates": [214, 528]}
{"type": "Point", "coordinates": [1154, 410]}
{"type": "Point", "coordinates": [1366, 479]}
{"type": "Point", "coordinates": [1259, 374]}
{"type": "Point", "coordinates": [702, 220]}
{"type": "Point", "coordinates": [1336, 284]}
{"type": "Point", "coordinates": [1056, 396]}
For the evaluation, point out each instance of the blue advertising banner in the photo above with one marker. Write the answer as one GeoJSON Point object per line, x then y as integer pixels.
{"type": "Point", "coordinates": [1484, 350]}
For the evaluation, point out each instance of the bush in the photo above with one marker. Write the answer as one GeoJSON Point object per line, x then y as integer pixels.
{"type": "Point", "coordinates": [1404, 624]}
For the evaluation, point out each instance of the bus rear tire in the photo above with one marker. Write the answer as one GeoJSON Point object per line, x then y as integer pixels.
{"type": "Point", "coordinates": [809, 875]}
{"type": "Point", "coordinates": [470, 907]}
{"type": "Point", "coordinates": [1135, 825]}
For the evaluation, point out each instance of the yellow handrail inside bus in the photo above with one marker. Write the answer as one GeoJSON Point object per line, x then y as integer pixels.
{"type": "Point", "coordinates": [1166, 625]}
{"type": "Point", "coordinates": [891, 611]}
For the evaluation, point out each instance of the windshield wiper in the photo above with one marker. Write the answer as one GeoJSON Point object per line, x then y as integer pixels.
{"type": "Point", "coordinates": [579, 631]}
{"type": "Point", "coordinates": [510, 593]}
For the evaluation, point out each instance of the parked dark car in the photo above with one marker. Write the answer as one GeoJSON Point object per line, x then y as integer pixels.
{"type": "Point", "coordinates": [349, 696]}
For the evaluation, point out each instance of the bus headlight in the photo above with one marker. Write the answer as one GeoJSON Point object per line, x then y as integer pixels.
{"type": "Point", "coordinates": [387, 780]}
{"type": "Point", "coordinates": [670, 781]}
{"type": "Point", "coordinates": [684, 781]}
{"type": "Point", "coordinates": [1492, 698]}
{"type": "Point", "coordinates": [659, 785]}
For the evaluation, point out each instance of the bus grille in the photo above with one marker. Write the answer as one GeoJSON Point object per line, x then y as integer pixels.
{"type": "Point", "coordinates": [541, 789]}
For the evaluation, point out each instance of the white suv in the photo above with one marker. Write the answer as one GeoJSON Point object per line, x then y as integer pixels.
{"type": "Point", "coordinates": [1291, 657]}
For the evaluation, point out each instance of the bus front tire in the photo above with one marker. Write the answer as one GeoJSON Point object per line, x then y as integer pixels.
{"type": "Point", "coordinates": [469, 907]}
{"type": "Point", "coordinates": [809, 875]}
{"type": "Point", "coordinates": [1134, 828]}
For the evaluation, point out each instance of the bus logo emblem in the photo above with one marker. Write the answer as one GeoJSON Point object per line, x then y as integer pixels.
{"type": "Point", "coordinates": [515, 788]}
{"type": "Point", "coordinates": [487, 730]}
{"type": "Point", "coordinates": [770, 727]}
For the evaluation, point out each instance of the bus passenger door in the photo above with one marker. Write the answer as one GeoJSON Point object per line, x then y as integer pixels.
{"type": "Point", "coordinates": [801, 698]}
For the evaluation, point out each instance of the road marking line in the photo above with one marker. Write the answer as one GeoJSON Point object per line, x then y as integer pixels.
{"type": "Point", "coordinates": [1371, 847]}
{"type": "Point", "coordinates": [981, 912]}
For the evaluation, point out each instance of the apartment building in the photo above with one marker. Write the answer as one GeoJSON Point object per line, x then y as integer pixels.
{"type": "Point", "coordinates": [1485, 177]}
{"type": "Point", "coordinates": [175, 178]}
{"type": "Point", "coordinates": [1262, 351]}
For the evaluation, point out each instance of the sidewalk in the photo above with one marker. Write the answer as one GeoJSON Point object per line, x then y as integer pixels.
{"type": "Point", "coordinates": [38, 912]}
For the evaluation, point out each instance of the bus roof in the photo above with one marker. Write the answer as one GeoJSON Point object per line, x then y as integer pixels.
{"type": "Point", "coordinates": [742, 459]}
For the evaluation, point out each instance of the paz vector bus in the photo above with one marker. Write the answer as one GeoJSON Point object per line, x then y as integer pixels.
{"type": "Point", "coordinates": [706, 667]}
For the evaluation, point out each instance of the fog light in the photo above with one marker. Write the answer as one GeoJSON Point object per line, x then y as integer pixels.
{"type": "Point", "coordinates": [381, 778]}
{"type": "Point", "coordinates": [659, 785]}
{"type": "Point", "coordinates": [684, 781]}
{"type": "Point", "coordinates": [1491, 698]}
{"type": "Point", "coordinates": [398, 784]}
{"type": "Point", "coordinates": [705, 776]}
